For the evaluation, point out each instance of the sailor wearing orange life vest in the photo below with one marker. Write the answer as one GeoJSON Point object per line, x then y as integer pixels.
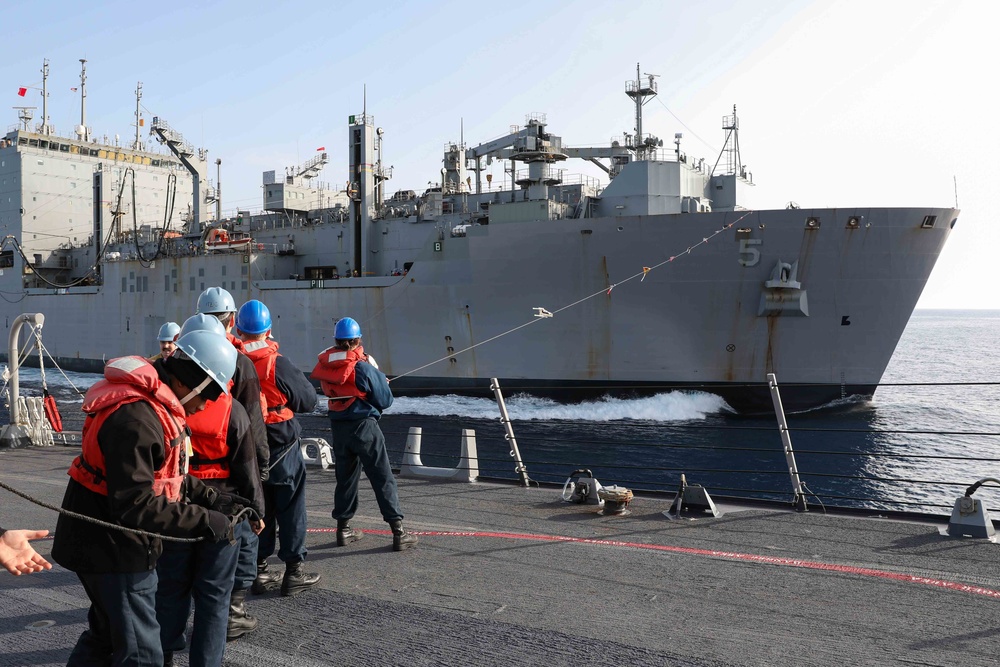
{"type": "Point", "coordinates": [131, 472]}
{"type": "Point", "coordinates": [358, 393]}
{"type": "Point", "coordinates": [286, 391]}
{"type": "Point", "coordinates": [223, 457]}
{"type": "Point", "coordinates": [219, 302]}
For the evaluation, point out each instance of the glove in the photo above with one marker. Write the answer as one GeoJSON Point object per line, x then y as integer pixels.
{"type": "Point", "coordinates": [220, 527]}
{"type": "Point", "coordinates": [230, 503]}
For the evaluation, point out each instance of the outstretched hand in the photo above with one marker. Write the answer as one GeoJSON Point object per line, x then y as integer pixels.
{"type": "Point", "coordinates": [17, 555]}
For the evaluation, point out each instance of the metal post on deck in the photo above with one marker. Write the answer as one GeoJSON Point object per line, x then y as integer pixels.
{"type": "Point", "coordinates": [16, 434]}
{"type": "Point", "coordinates": [786, 443]}
{"type": "Point", "coordinates": [520, 469]}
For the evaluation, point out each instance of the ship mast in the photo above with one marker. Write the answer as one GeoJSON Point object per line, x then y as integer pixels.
{"type": "Point", "coordinates": [137, 144]}
{"type": "Point", "coordinates": [82, 132]}
{"type": "Point", "coordinates": [639, 92]}
{"type": "Point", "coordinates": [45, 128]}
{"type": "Point", "coordinates": [731, 150]}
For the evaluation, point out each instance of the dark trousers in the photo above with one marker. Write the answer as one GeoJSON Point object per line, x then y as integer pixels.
{"type": "Point", "coordinates": [359, 444]}
{"type": "Point", "coordinates": [246, 563]}
{"type": "Point", "coordinates": [205, 571]}
{"type": "Point", "coordinates": [285, 506]}
{"type": "Point", "coordinates": [123, 628]}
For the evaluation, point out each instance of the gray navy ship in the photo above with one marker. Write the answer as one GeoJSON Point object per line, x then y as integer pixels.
{"type": "Point", "coordinates": [557, 285]}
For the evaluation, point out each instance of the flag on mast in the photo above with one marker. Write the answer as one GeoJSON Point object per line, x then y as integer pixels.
{"type": "Point", "coordinates": [321, 148]}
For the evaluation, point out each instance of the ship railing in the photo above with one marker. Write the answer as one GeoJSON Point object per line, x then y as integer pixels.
{"type": "Point", "coordinates": [837, 465]}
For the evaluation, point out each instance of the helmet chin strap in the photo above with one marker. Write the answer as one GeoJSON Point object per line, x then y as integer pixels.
{"type": "Point", "coordinates": [197, 390]}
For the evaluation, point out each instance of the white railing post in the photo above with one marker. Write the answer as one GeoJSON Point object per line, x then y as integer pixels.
{"type": "Point", "coordinates": [17, 433]}
{"type": "Point", "coordinates": [786, 443]}
{"type": "Point", "coordinates": [468, 464]}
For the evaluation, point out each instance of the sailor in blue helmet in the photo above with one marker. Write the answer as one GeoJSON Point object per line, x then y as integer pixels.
{"type": "Point", "coordinates": [223, 457]}
{"type": "Point", "coordinates": [131, 473]}
{"type": "Point", "coordinates": [286, 391]}
{"type": "Point", "coordinates": [358, 393]}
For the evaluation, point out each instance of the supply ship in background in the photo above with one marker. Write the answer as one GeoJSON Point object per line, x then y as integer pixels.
{"type": "Point", "coordinates": [561, 286]}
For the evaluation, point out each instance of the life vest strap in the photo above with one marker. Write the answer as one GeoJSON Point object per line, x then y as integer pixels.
{"type": "Point", "coordinates": [98, 474]}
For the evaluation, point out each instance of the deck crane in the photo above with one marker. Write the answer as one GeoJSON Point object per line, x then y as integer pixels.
{"type": "Point", "coordinates": [194, 160]}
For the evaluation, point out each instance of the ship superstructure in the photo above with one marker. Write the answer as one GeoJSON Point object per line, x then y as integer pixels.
{"type": "Point", "coordinates": [446, 282]}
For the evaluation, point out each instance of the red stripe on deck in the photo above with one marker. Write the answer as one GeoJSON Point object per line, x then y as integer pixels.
{"type": "Point", "coordinates": [729, 555]}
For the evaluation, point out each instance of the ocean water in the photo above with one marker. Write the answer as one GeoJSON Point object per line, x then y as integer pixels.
{"type": "Point", "coordinates": [931, 430]}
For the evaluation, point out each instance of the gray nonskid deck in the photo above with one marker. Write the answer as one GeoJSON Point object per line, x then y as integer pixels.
{"type": "Point", "coordinates": [486, 587]}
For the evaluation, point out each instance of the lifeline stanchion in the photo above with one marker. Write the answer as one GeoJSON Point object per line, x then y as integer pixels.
{"type": "Point", "coordinates": [786, 443]}
{"type": "Point", "coordinates": [520, 468]}
{"type": "Point", "coordinates": [17, 433]}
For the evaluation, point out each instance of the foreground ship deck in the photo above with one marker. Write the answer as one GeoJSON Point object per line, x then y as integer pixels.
{"type": "Point", "coordinates": [511, 576]}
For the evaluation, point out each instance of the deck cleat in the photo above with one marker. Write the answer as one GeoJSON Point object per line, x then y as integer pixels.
{"type": "Point", "coordinates": [970, 518]}
{"type": "Point", "coordinates": [581, 488]}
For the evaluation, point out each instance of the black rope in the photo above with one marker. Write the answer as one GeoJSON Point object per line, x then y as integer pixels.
{"type": "Point", "coordinates": [248, 512]}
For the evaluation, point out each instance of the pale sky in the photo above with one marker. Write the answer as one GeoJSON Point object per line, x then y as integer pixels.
{"type": "Point", "coordinates": [842, 103]}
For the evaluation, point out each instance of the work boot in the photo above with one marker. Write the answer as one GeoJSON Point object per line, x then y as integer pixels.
{"type": "Point", "coordinates": [346, 534]}
{"type": "Point", "coordinates": [400, 538]}
{"type": "Point", "coordinates": [240, 622]}
{"type": "Point", "coordinates": [295, 580]}
{"type": "Point", "coordinates": [266, 580]}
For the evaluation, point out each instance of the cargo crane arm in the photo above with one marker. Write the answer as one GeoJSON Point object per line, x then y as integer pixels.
{"type": "Point", "coordinates": [311, 168]}
{"type": "Point", "coordinates": [194, 160]}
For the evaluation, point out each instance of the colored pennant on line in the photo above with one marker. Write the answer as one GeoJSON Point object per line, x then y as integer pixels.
{"type": "Point", "coordinates": [22, 91]}
{"type": "Point", "coordinates": [321, 148]}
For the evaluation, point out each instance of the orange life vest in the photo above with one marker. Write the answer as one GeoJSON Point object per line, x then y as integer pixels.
{"type": "Point", "coordinates": [209, 438]}
{"type": "Point", "coordinates": [264, 355]}
{"type": "Point", "coordinates": [335, 372]}
{"type": "Point", "coordinates": [237, 343]}
{"type": "Point", "coordinates": [127, 380]}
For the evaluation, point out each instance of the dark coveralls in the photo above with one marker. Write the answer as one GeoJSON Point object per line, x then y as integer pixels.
{"type": "Point", "coordinates": [117, 569]}
{"type": "Point", "coordinates": [206, 570]}
{"type": "Point", "coordinates": [358, 443]}
{"type": "Point", "coordinates": [285, 488]}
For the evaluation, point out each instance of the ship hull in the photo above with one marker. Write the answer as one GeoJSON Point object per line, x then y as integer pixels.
{"type": "Point", "coordinates": [718, 317]}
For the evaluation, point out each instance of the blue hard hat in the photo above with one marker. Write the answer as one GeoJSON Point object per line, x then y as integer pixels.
{"type": "Point", "coordinates": [212, 352]}
{"type": "Point", "coordinates": [253, 318]}
{"type": "Point", "coordinates": [216, 300]}
{"type": "Point", "coordinates": [168, 331]}
{"type": "Point", "coordinates": [346, 329]}
{"type": "Point", "coordinates": [202, 322]}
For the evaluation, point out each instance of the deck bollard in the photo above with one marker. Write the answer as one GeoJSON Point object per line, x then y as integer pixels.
{"type": "Point", "coordinates": [468, 464]}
